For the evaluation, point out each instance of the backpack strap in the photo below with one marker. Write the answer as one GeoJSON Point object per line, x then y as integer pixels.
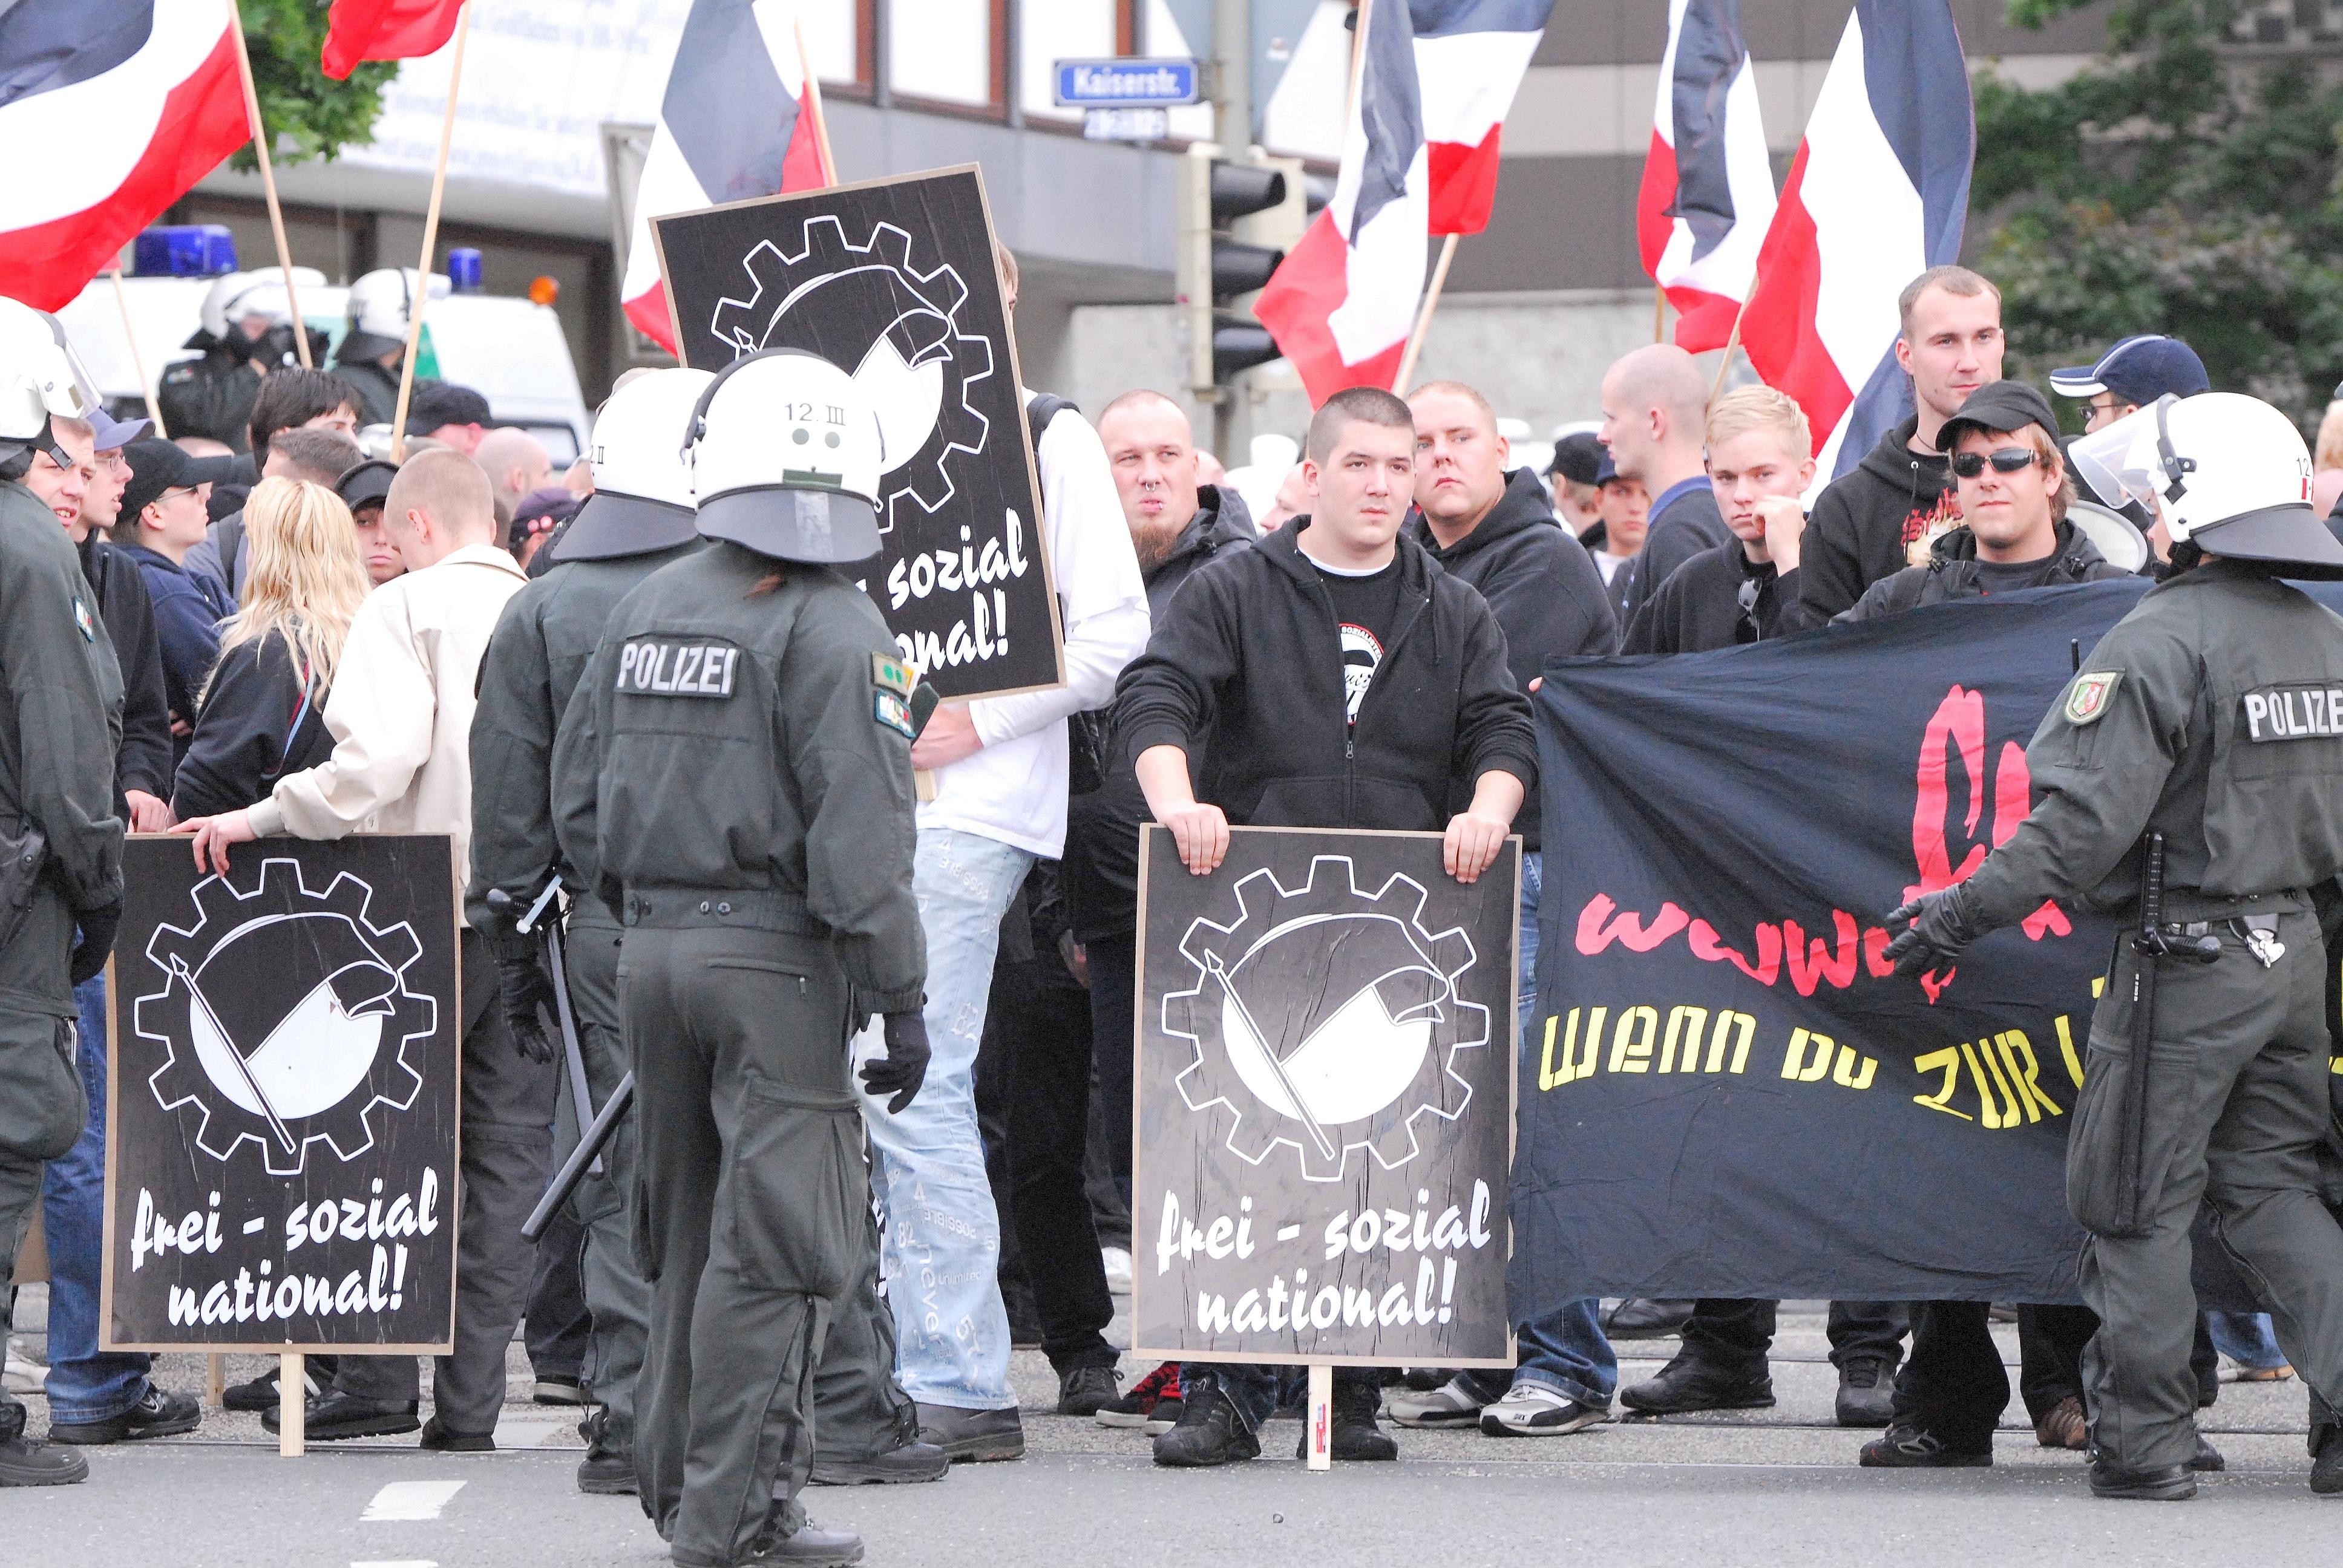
{"type": "Point", "coordinates": [1044, 407]}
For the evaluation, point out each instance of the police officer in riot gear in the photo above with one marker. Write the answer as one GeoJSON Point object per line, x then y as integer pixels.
{"type": "Point", "coordinates": [245, 330]}
{"type": "Point", "coordinates": [734, 775]}
{"type": "Point", "coordinates": [60, 840]}
{"type": "Point", "coordinates": [369, 353]}
{"type": "Point", "coordinates": [2203, 737]}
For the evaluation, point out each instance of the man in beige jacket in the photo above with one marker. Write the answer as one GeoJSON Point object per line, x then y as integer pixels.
{"type": "Point", "coordinates": [400, 713]}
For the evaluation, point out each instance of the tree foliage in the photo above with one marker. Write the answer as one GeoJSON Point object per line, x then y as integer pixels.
{"type": "Point", "coordinates": [2181, 185]}
{"type": "Point", "coordinates": [308, 115]}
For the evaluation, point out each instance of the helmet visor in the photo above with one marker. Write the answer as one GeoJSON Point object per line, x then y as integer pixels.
{"type": "Point", "coordinates": [2118, 462]}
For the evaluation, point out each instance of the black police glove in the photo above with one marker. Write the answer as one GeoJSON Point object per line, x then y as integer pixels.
{"type": "Point", "coordinates": [904, 1068]}
{"type": "Point", "coordinates": [96, 943]}
{"type": "Point", "coordinates": [1942, 924]}
{"type": "Point", "coordinates": [525, 992]}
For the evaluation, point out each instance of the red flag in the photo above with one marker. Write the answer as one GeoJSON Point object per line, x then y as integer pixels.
{"type": "Point", "coordinates": [360, 30]}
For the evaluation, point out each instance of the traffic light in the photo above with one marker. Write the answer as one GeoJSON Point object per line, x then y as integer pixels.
{"type": "Point", "coordinates": [1227, 207]}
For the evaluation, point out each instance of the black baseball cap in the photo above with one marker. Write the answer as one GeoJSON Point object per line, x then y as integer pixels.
{"type": "Point", "coordinates": [1578, 458]}
{"type": "Point", "coordinates": [1606, 471]}
{"type": "Point", "coordinates": [437, 403]}
{"type": "Point", "coordinates": [159, 466]}
{"type": "Point", "coordinates": [2138, 370]}
{"type": "Point", "coordinates": [365, 484]}
{"type": "Point", "coordinates": [1999, 405]}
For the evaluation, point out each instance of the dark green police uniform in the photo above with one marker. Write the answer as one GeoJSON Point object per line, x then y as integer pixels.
{"type": "Point", "coordinates": [735, 774]}
{"type": "Point", "coordinates": [2212, 713]}
{"type": "Point", "coordinates": [60, 726]}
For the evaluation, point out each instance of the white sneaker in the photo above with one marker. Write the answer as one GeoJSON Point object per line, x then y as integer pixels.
{"type": "Point", "coordinates": [1534, 1410]}
{"type": "Point", "coordinates": [1453, 1403]}
{"type": "Point", "coordinates": [1118, 1269]}
{"type": "Point", "coordinates": [23, 1374]}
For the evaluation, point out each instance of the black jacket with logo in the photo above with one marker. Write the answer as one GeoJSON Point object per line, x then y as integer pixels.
{"type": "Point", "coordinates": [1250, 654]}
{"type": "Point", "coordinates": [1099, 878]}
{"type": "Point", "coordinates": [1952, 573]}
{"type": "Point", "coordinates": [1865, 521]}
{"type": "Point", "coordinates": [1545, 589]}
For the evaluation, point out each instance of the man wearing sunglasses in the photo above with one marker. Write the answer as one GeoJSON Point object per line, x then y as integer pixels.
{"type": "Point", "coordinates": [2010, 482]}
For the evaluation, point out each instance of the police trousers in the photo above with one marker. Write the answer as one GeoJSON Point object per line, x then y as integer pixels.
{"type": "Point", "coordinates": [617, 1296]}
{"type": "Point", "coordinates": [2236, 1105]}
{"type": "Point", "coordinates": [752, 1218]}
{"type": "Point", "coordinates": [41, 1106]}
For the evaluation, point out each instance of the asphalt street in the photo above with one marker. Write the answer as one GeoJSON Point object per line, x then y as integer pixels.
{"type": "Point", "coordinates": [1765, 1486]}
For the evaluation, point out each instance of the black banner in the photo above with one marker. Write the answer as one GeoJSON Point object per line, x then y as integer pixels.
{"type": "Point", "coordinates": [1324, 1102]}
{"type": "Point", "coordinates": [1729, 1092]}
{"type": "Point", "coordinates": [281, 1117]}
{"type": "Point", "coordinates": [894, 282]}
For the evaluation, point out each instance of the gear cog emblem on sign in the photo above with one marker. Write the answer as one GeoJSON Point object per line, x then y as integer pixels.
{"type": "Point", "coordinates": [287, 1015]}
{"type": "Point", "coordinates": [1325, 1017]}
{"type": "Point", "coordinates": [867, 309]}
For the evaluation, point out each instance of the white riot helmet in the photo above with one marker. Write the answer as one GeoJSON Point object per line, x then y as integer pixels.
{"type": "Point", "coordinates": [642, 499]}
{"type": "Point", "coordinates": [262, 292]}
{"type": "Point", "coordinates": [2225, 471]}
{"type": "Point", "coordinates": [786, 453]}
{"type": "Point", "coordinates": [379, 305]}
{"type": "Point", "coordinates": [39, 376]}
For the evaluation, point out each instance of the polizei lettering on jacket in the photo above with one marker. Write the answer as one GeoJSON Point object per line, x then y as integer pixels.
{"type": "Point", "coordinates": [661, 667]}
{"type": "Point", "coordinates": [2294, 713]}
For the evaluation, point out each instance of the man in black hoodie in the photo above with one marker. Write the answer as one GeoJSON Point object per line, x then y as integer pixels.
{"type": "Point", "coordinates": [1343, 680]}
{"type": "Point", "coordinates": [1880, 518]}
{"type": "Point", "coordinates": [1494, 530]}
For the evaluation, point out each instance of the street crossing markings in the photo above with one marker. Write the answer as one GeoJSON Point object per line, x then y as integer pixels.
{"type": "Point", "coordinates": [411, 1500]}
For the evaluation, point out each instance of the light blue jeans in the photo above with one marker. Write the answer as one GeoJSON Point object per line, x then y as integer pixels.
{"type": "Point", "coordinates": [942, 1251]}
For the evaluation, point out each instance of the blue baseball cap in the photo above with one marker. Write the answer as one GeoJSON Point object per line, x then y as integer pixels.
{"type": "Point", "coordinates": [2138, 370]}
{"type": "Point", "coordinates": [111, 435]}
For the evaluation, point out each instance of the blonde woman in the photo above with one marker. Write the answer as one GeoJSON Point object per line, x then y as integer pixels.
{"type": "Point", "coordinates": [261, 713]}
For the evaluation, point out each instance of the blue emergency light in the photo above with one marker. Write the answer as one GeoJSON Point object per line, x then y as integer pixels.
{"type": "Point", "coordinates": [184, 250]}
{"type": "Point", "coordinates": [464, 270]}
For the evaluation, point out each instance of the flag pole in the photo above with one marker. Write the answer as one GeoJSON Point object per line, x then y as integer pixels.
{"type": "Point", "coordinates": [1659, 314]}
{"type": "Point", "coordinates": [268, 183]}
{"type": "Point", "coordinates": [1423, 318]}
{"type": "Point", "coordinates": [430, 241]}
{"type": "Point", "coordinates": [138, 360]}
{"type": "Point", "coordinates": [813, 104]}
{"type": "Point", "coordinates": [1732, 342]}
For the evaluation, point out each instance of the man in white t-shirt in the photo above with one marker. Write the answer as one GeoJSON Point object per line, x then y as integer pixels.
{"type": "Point", "coordinates": [1000, 767]}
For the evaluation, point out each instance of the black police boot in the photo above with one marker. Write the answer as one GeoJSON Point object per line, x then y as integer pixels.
{"type": "Point", "coordinates": [1354, 1434]}
{"type": "Point", "coordinates": [1866, 1392]}
{"type": "Point", "coordinates": [440, 1438]}
{"type": "Point", "coordinates": [609, 1468]}
{"type": "Point", "coordinates": [2327, 1459]}
{"type": "Point", "coordinates": [1910, 1448]}
{"type": "Point", "coordinates": [807, 1546]}
{"type": "Point", "coordinates": [2168, 1484]}
{"type": "Point", "coordinates": [1636, 1319]}
{"type": "Point", "coordinates": [24, 1462]}
{"type": "Point", "coordinates": [1210, 1431]}
{"type": "Point", "coordinates": [1690, 1382]}
{"type": "Point", "coordinates": [338, 1416]}
{"type": "Point", "coordinates": [901, 1465]}
{"type": "Point", "coordinates": [1086, 1391]}
{"type": "Point", "coordinates": [156, 1414]}
{"type": "Point", "coordinates": [2208, 1458]}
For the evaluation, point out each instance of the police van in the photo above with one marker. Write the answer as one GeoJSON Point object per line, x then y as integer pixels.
{"type": "Point", "coordinates": [509, 349]}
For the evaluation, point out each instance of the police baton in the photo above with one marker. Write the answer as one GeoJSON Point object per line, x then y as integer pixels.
{"type": "Point", "coordinates": [2149, 944]}
{"type": "Point", "coordinates": [589, 1152]}
{"type": "Point", "coordinates": [580, 1093]}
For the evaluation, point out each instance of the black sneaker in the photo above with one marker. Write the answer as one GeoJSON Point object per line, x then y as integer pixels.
{"type": "Point", "coordinates": [1689, 1383]}
{"type": "Point", "coordinates": [1636, 1319]}
{"type": "Point", "coordinates": [1153, 1403]}
{"type": "Point", "coordinates": [336, 1417]}
{"type": "Point", "coordinates": [1086, 1391]}
{"type": "Point", "coordinates": [1210, 1432]}
{"type": "Point", "coordinates": [973, 1436]}
{"type": "Point", "coordinates": [1866, 1392]}
{"type": "Point", "coordinates": [441, 1438]}
{"type": "Point", "coordinates": [2170, 1484]}
{"type": "Point", "coordinates": [156, 1414]}
{"type": "Point", "coordinates": [902, 1465]}
{"type": "Point", "coordinates": [558, 1388]}
{"type": "Point", "coordinates": [260, 1394]}
{"type": "Point", "coordinates": [2327, 1459]}
{"type": "Point", "coordinates": [1909, 1448]}
{"type": "Point", "coordinates": [25, 1462]}
{"type": "Point", "coordinates": [1354, 1434]}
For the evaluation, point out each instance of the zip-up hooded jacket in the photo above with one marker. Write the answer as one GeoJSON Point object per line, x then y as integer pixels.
{"type": "Point", "coordinates": [1542, 586]}
{"type": "Point", "coordinates": [261, 718]}
{"type": "Point", "coordinates": [1099, 878]}
{"type": "Point", "coordinates": [1250, 654]}
{"type": "Point", "coordinates": [1700, 606]}
{"type": "Point", "coordinates": [144, 760]}
{"type": "Point", "coordinates": [1865, 522]}
{"type": "Point", "coordinates": [188, 609]}
{"type": "Point", "coordinates": [1952, 573]}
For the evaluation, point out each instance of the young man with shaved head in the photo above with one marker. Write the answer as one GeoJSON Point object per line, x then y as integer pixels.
{"type": "Point", "coordinates": [1330, 677]}
{"type": "Point", "coordinates": [1881, 517]}
{"type": "Point", "coordinates": [1655, 407]}
{"type": "Point", "coordinates": [401, 718]}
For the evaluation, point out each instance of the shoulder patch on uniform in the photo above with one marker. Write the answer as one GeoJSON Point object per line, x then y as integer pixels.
{"type": "Point", "coordinates": [676, 667]}
{"type": "Point", "coordinates": [2086, 699]}
{"type": "Point", "coordinates": [82, 619]}
{"type": "Point", "coordinates": [891, 675]}
{"type": "Point", "coordinates": [894, 713]}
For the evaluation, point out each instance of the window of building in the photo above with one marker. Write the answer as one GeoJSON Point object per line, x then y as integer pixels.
{"type": "Point", "coordinates": [947, 51]}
